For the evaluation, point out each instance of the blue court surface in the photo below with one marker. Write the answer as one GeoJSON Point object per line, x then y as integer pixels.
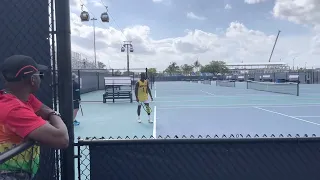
{"type": "Point", "coordinates": [186, 108]}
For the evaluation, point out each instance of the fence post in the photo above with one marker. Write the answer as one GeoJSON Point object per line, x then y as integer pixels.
{"type": "Point", "coordinates": [98, 78]}
{"type": "Point", "coordinates": [147, 73]}
{"type": "Point", "coordinates": [62, 8]}
{"type": "Point", "coordinates": [79, 77]}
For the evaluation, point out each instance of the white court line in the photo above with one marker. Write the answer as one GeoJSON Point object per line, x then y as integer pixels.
{"type": "Point", "coordinates": [179, 101]}
{"type": "Point", "coordinates": [285, 115]}
{"type": "Point", "coordinates": [154, 132]}
{"type": "Point", "coordinates": [155, 93]}
{"type": "Point", "coordinates": [307, 116]}
{"type": "Point", "coordinates": [199, 107]}
{"type": "Point", "coordinates": [178, 90]}
{"type": "Point", "coordinates": [227, 96]}
{"type": "Point", "coordinates": [207, 92]}
{"type": "Point", "coordinates": [252, 105]}
{"type": "Point", "coordinates": [238, 106]}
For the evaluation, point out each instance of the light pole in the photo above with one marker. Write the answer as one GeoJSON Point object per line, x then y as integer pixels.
{"type": "Point", "coordinates": [127, 45]}
{"type": "Point", "coordinates": [94, 41]}
{"type": "Point", "coordinates": [293, 62]}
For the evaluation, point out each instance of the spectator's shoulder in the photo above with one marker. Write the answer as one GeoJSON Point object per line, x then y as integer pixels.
{"type": "Point", "coordinates": [32, 97]}
{"type": "Point", "coordinates": [8, 103]}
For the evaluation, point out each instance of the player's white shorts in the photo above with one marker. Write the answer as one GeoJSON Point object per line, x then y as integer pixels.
{"type": "Point", "coordinates": [146, 101]}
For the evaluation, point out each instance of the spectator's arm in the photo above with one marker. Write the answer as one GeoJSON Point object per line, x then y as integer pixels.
{"type": "Point", "coordinates": [28, 125]}
{"type": "Point", "coordinates": [39, 108]}
{"type": "Point", "coordinates": [44, 112]}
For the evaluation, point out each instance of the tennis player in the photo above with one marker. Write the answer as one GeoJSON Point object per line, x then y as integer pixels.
{"type": "Point", "coordinates": [142, 92]}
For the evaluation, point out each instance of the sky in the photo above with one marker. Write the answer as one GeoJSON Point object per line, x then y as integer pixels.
{"type": "Point", "coordinates": [183, 31]}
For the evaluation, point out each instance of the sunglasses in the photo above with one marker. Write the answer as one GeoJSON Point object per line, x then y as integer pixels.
{"type": "Point", "coordinates": [40, 74]}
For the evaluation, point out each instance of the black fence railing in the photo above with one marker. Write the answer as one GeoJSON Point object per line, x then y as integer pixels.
{"type": "Point", "coordinates": [28, 161]}
{"type": "Point", "coordinates": [205, 158]}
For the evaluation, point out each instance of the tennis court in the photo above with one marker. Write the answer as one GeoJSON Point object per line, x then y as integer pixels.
{"type": "Point", "coordinates": [186, 108]}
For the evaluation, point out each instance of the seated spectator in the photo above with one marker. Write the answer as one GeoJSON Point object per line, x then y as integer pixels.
{"type": "Point", "coordinates": [23, 117]}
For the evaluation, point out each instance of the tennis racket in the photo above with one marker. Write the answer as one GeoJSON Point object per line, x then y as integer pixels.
{"type": "Point", "coordinates": [146, 108]}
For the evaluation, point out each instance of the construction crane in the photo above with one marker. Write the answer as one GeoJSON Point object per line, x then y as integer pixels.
{"type": "Point", "coordinates": [274, 45]}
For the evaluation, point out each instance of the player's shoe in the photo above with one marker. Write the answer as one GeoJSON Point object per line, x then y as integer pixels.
{"type": "Point", "coordinates": [139, 120]}
{"type": "Point", "coordinates": [150, 120]}
{"type": "Point", "coordinates": [76, 123]}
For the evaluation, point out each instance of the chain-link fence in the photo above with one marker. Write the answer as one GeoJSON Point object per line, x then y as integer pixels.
{"type": "Point", "coordinates": [81, 61]}
{"type": "Point", "coordinates": [27, 28]}
{"type": "Point", "coordinates": [219, 158]}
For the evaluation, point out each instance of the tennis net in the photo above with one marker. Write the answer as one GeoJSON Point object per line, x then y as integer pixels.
{"type": "Point", "coordinates": [226, 83]}
{"type": "Point", "coordinates": [283, 88]}
{"type": "Point", "coordinates": [206, 82]}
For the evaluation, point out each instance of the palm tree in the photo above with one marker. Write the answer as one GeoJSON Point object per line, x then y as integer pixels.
{"type": "Point", "coordinates": [186, 69]}
{"type": "Point", "coordinates": [197, 65]}
{"type": "Point", "coordinates": [172, 68]}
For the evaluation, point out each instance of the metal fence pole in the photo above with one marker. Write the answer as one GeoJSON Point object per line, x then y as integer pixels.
{"type": "Point", "coordinates": [65, 83]}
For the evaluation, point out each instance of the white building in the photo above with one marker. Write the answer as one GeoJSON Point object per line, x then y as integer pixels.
{"type": "Point", "coordinates": [268, 67]}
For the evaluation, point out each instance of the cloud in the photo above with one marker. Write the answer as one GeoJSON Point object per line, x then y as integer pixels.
{"type": "Point", "coordinates": [228, 6]}
{"type": "Point", "coordinates": [191, 15]}
{"type": "Point", "coordinates": [300, 12]}
{"type": "Point", "coordinates": [234, 44]}
{"type": "Point", "coordinates": [97, 3]}
{"type": "Point", "coordinates": [75, 5]}
{"type": "Point", "coordinates": [304, 12]}
{"type": "Point", "coordinates": [164, 2]}
{"type": "Point", "coordinates": [254, 1]}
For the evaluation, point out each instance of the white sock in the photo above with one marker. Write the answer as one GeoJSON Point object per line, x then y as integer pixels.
{"type": "Point", "coordinates": [149, 117]}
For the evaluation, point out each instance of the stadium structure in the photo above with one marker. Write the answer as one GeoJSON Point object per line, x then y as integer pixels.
{"type": "Point", "coordinates": [266, 67]}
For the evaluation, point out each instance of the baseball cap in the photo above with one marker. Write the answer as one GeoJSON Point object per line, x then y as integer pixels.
{"type": "Point", "coordinates": [15, 67]}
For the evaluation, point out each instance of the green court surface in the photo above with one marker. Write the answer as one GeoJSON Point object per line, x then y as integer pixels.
{"type": "Point", "coordinates": [185, 108]}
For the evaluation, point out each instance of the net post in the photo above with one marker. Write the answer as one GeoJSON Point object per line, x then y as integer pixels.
{"type": "Point", "coordinates": [298, 89]}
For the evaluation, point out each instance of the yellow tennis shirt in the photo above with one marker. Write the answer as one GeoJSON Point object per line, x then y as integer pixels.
{"type": "Point", "coordinates": [143, 90]}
